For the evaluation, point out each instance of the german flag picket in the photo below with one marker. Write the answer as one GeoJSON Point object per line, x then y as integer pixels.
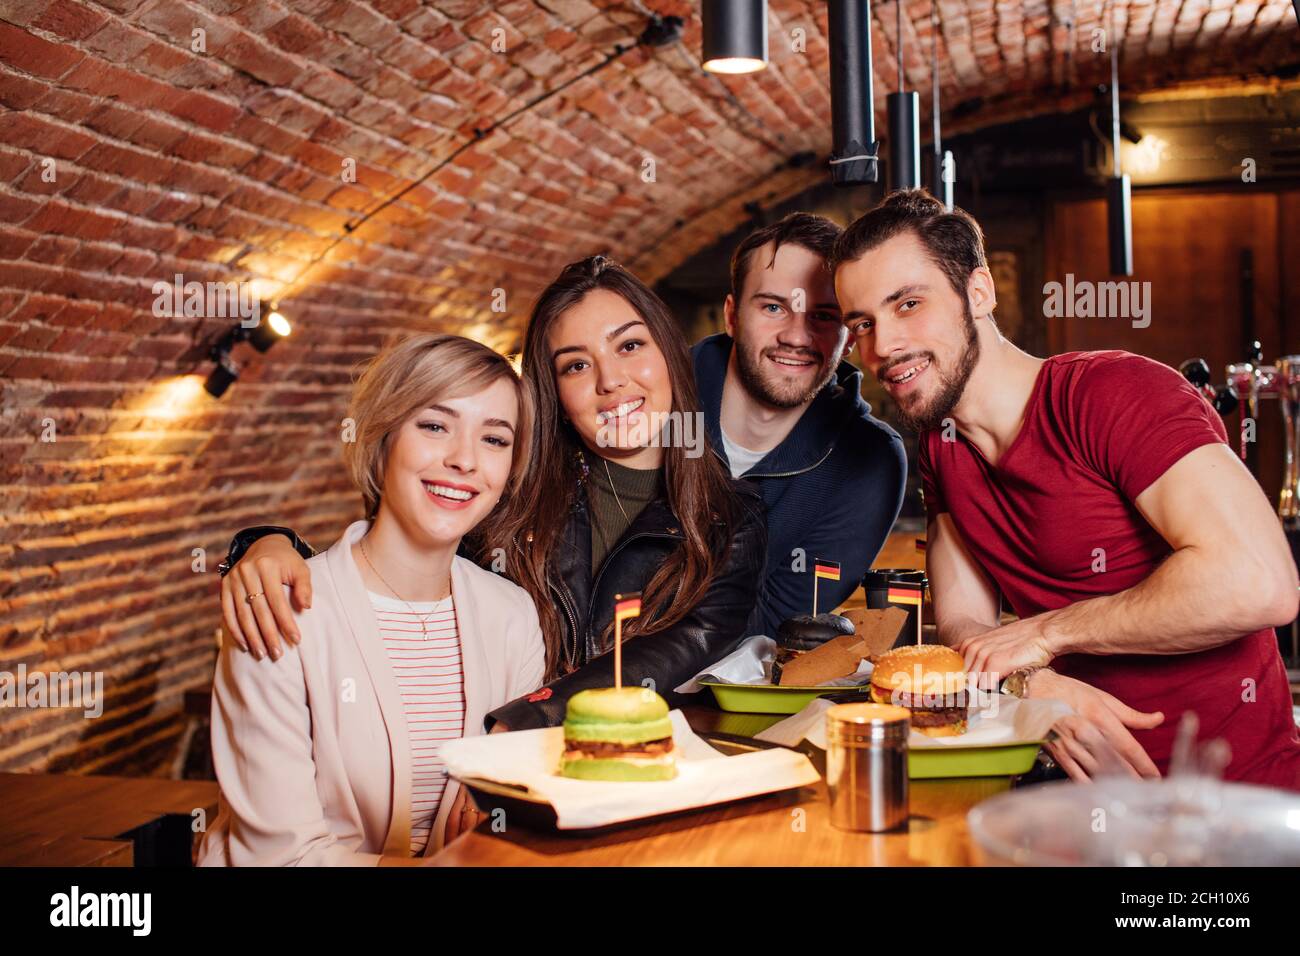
{"type": "Point", "coordinates": [626, 607]}
{"type": "Point", "coordinates": [823, 569]}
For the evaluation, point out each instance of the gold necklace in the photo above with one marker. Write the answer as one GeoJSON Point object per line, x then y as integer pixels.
{"type": "Point", "coordinates": [424, 621]}
{"type": "Point", "coordinates": [614, 488]}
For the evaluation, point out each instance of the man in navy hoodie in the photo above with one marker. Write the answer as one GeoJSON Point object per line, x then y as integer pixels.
{"type": "Point", "coordinates": [784, 411]}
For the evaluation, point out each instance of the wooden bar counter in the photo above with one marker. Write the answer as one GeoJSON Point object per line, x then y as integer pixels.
{"type": "Point", "coordinates": [788, 829]}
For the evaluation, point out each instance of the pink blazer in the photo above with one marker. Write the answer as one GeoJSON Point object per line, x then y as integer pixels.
{"type": "Point", "coordinates": [312, 751]}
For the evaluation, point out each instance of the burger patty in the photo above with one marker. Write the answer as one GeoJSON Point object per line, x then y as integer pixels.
{"type": "Point", "coordinates": [938, 718]}
{"type": "Point", "coordinates": [955, 701]}
{"type": "Point", "coordinates": [593, 749]}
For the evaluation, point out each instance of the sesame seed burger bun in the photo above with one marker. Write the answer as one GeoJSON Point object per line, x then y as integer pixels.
{"type": "Point", "coordinates": [939, 670]}
{"type": "Point", "coordinates": [930, 681]}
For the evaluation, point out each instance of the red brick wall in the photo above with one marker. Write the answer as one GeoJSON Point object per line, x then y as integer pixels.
{"type": "Point", "coordinates": [225, 164]}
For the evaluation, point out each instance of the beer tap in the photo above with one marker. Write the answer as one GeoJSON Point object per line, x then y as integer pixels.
{"type": "Point", "coordinates": [1246, 383]}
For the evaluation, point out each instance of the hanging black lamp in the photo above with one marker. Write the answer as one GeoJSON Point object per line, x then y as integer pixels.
{"type": "Point", "coordinates": [735, 35]}
{"type": "Point", "coordinates": [904, 126]}
{"type": "Point", "coordinates": [944, 171]}
{"type": "Point", "coordinates": [1119, 191]}
{"type": "Point", "coordinates": [855, 153]}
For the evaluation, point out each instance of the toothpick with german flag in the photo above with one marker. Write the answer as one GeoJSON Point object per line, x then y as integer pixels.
{"type": "Point", "coordinates": [823, 569]}
{"type": "Point", "coordinates": [907, 592]}
{"type": "Point", "coordinates": [626, 606]}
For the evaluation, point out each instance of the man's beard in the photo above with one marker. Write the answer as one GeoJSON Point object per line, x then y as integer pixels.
{"type": "Point", "coordinates": [931, 414]}
{"type": "Point", "coordinates": [767, 388]}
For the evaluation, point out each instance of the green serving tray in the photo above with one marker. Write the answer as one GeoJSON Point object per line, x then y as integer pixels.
{"type": "Point", "coordinates": [1007, 761]}
{"type": "Point", "coordinates": [767, 698]}
{"type": "Point", "coordinates": [932, 763]}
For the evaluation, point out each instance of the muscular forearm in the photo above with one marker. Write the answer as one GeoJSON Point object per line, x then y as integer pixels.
{"type": "Point", "coordinates": [955, 629]}
{"type": "Point", "coordinates": [1190, 603]}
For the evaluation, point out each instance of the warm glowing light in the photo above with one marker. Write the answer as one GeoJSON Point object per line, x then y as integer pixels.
{"type": "Point", "coordinates": [517, 362]}
{"type": "Point", "coordinates": [1146, 155]}
{"type": "Point", "coordinates": [263, 289]}
{"type": "Point", "coordinates": [734, 65]}
{"type": "Point", "coordinates": [171, 398]}
{"type": "Point", "coordinates": [496, 336]}
{"type": "Point", "coordinates": [279, 324]}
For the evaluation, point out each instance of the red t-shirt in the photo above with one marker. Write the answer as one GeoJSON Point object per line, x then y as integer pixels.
{"type": "Point", "coordinates": [1099, 429]}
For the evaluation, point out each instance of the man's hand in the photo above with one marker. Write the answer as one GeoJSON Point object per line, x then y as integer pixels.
{"type": "Point", "coordinates": [994, 654]}
{"type": "Point", "coordinates": [263, 624]}
{"type": "Point", "coordinates": [1095, 740]}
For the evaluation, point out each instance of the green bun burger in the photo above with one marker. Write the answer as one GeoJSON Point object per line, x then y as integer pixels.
{"type": "Point", "coordinates": [618, 734]}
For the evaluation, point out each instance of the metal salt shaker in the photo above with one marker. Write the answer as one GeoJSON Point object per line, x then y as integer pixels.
{"type": "Point", "coordinates": [866, 766]}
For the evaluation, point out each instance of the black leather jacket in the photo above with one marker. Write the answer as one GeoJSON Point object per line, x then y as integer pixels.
{"type": "Point", "coordinates": [710, 631]}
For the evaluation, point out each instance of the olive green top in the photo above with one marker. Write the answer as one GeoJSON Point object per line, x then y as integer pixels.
{"type": "Point", "coordinates": [612, 514]}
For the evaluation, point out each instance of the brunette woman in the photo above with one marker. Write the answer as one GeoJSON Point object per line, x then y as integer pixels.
{"type": "Point", "coordinates": [601, 511]}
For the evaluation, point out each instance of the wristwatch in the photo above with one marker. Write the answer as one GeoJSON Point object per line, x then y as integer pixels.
{"type": "Point", "coordinates": [242, 541]}
{"type": "Point", "coordinates": [1016, 684]}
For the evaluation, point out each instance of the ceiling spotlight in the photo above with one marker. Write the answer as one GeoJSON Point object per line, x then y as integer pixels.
{"type": "Point", "coordinates": [662, 31]}
{"type": "Point", "coordinates": [265, 334]}
{"type": "Point", "coordinates": [735, 36]}
{"type": "Point", "coordinates": [221, 377]}
{"type": "Point", "coordinates": [261, 336]}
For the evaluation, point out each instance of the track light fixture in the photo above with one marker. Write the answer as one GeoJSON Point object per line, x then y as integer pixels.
{"type": "Point", "coordinates": [270, 328]}
{"type": "Point", "coordinates": [661, 31]}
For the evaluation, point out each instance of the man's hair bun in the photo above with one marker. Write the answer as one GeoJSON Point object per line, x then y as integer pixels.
{"type": "Point", "coordinates": [595, 265]}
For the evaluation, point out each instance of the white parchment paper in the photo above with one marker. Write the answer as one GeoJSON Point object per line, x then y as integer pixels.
{"type": "Point", "coordinates": [531, 758]}
{"type": "Point", "coordinates": [751, 663]}
{"type": "Point", "coordinates": [1004, 721]}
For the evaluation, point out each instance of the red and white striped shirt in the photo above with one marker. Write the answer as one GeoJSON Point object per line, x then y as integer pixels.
{"type": "Point", "coordinates": [430, 679]}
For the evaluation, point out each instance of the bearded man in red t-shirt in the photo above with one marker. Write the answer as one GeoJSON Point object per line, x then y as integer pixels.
{"type": "Point", "coordinates": [1096, 493]}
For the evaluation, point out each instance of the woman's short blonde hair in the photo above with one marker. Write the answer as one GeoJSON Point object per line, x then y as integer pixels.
{"type": "Point", "coordinates": [409, 375]}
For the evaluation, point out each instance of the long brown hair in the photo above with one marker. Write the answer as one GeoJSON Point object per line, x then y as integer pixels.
{"type": "Point", "coordinates": [698, 489]}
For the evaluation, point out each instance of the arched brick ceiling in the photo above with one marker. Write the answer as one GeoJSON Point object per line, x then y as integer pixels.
{"type": "Point", "coordinates": [225, 164]}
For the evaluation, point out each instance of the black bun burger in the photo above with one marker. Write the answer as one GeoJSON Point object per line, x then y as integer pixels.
{"type": "Point", "coordinates": [798, 635]}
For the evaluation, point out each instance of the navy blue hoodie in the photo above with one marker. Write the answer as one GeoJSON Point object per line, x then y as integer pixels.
{"type": "Point", "coordinates": [833, 489]}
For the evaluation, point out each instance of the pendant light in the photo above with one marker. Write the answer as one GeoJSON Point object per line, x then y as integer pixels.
{"type": "Point", "coordinates": [855, 152]}
{"type": "Point", "coordinates": [735, 36]}
{"type": "Point", "coordinates": [1119, 192]}
{"type": "Point", "coordinates": [904, 126]}
{"type": "Point", "coordinates": [944, 171]}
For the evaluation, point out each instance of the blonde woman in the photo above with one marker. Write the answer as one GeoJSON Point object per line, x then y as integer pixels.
{"type": "Point", "coordinates": [329, 756]}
